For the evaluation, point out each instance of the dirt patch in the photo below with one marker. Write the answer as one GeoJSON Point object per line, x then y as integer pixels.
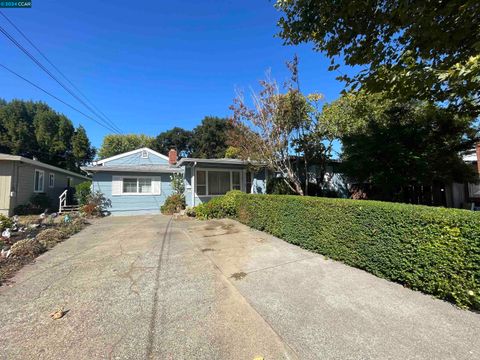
{"type": "Point", "coordinates": [31, 236]}
{"type": "Point", "coordinates": [238, 275]}
{"type": "Point", "coordinates": [220, 228]}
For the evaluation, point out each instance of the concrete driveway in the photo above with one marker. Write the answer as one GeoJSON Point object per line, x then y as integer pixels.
{"type": "Point", "coordinates": [152, 287]}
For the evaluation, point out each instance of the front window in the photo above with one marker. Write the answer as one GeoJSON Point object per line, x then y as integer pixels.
{"type": "Point", "coordinates": [130, 185]}
{"type": "Point", "coordinates": [216, 182]}
{"type": "Point", "coordinates": [144, 185]}
{"type": "Point", "coordinates": [51, 180]}
{"type": "Point", "coordinates": [137, 186]}
{"type": "Point", "coordinates": [38, 181]}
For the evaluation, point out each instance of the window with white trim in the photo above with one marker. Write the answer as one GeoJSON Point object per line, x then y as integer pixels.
{"type": "Point", "coordinates": [131, 185]}
{"type": "Point", "coordinates": [144, 154]}
{"type": "Point", "coordinates": [217, 182]}
{"type": "Point", "coordinates": [51, 180]}
{"type": "Point", "coordinates": [38, 181]}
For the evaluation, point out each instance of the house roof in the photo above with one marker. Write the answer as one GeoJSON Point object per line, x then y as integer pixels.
{"type": "Point", "coordinates": [133, 168]}
{"type": "Point", "coordinates": [213, 161]}
{"type": "Point", "coordinates": [119, 156]}
{"type": "Point", "coordinates": [39, 163]}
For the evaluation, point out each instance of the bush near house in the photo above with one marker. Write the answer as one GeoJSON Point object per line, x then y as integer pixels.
{"type": "Point", "coordinates": [82, 192]}
{"type": "Point", "coordinates": [220, 207]}
{"type": "Point", "coordinates": [173, 204]}
{"type": "Point", "coordinates": [435, 250]}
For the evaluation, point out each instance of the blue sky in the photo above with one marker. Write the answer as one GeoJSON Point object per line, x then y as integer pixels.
{"type": "Point", "coordinates": [154, 65]}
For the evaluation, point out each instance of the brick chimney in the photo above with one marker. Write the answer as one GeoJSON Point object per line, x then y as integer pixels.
{"type": "Point", "coordinates": [172, 156]}
{"type": "Point", "coordinates": [477, 148]}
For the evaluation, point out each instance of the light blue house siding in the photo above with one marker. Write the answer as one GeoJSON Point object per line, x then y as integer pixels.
{"type": "Point", "coordinates": [258, 183]}
{"type": "Point", "coordinates": [132, 204]}
{"type": "Point", "coordinates": [137, 159]}
{"type": "Point", "coordinates": [139, 182]}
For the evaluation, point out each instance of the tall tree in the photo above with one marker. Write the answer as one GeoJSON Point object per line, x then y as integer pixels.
{"type": "Point", "coordinates": [176, 138]}
{"type": "Point", "coordinates": [399, 148]}
{"type": "Point", "coordinates": [421, 49]}
{"type": "Point", "coordinates": [281, 129]}
{"type": "Point", "coordinates": [34, 129]}
{"type": "Point", "coordinates": [209, 139]}
{"type": "Point", "coordinates": [117, 144]}
{"type": "Point", "coordinates": [82, 150]}
{"type": "Point", "coordinates": [16, 128]}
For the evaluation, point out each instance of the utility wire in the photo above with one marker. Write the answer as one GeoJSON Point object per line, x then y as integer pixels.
{"type": "Point", "coordinates": [60, 72]}
{"type": "Point", "coordinates": [39, 64]}
{"type": "Point", "coordinates": [53, 96]}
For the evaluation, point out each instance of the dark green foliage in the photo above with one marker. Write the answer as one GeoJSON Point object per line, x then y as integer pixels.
{"type": "Point", "coordinates": [34, 129]}
{"type": "Point", "coordinates": [173, 204]}
{"type": "Point", "coordinates": [210, 138]}
{"type": "Point", "coordinates": [435, 250]}
{"type": "Point", "coordinates": [427, 50]}
{"type": "Point", "coordinates": [83, 191]}
{"type": "Point", "coordinates": [41, 201]}
{"type": "Point", "coordinates": [277, 186]}
{"type": "Point", "coordinates": [176, 138]}
{"type": "Point", "coordinates": [5, 222]}
{"type": "Point", "coordinates": [82, 150]}
{"type": "Point", "coordinates": [415, 146]}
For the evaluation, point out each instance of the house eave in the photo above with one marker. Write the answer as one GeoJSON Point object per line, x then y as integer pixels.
{"type": "Point", "coordinates": [25, 160]}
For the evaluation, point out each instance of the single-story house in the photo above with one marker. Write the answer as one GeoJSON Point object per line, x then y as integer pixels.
{"type": "Point", "coordinates": [21, 177]}
{"type": "Point", "coordinates": [139, 181]}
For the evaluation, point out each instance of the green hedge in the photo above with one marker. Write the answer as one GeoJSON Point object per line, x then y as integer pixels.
{"type": "Point", "coordinates": [434, 250]}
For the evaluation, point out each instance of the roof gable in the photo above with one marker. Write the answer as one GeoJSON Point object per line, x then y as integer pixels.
{"type": "Point", "coordinates": [142, 156]}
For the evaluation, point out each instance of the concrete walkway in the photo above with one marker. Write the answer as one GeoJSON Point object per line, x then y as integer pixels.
{"type": "Point", "coordinates": [149, 287]}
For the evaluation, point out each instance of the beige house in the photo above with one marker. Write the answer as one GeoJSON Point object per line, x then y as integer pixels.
{"type": "Point", "coordinates": [20, 178]}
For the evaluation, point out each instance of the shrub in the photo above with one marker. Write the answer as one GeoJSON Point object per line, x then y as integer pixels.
{"type": "Point", "coordinates": [174, 203]}
{"type": "Point", "coordinates": [83, 191]}
{"type": "Point", "coordinates": [177, 183]}
{"type": "Point", "coordinates": [434, 250]}
{"type": "Point", "coordinates": [50, 237]}
{"type": "Point", "coordinates": [190, 211]}
{"type": "Point", "coordinates": [73, 227]}
{"type": "Point", "coordinates": [27, 247]}
{"type": "Point", "coordinates": [40, 201]}
{"type": "Point", "coordinates": [5, 222]}
{"type": "Point", "coordinates": [96, 205]}
{"type": "Point", "coordinates": [37, 204]}
{"type": "Point", "coordinates": [222, 206]}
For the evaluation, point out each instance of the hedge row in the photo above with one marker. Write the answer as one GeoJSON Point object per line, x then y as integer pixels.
{"type": "Point", "coordinates": [434, 250]}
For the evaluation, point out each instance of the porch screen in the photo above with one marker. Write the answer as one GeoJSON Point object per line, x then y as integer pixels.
{"type": "Point", "coordinates": [218, 182]}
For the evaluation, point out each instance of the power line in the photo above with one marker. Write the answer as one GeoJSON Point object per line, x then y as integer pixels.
{"type": "Point", "coordinates": [55, 97]}
{"type": "Point", "coordinates": [39, 64]}
{"type": "Point", "coordinates": [60, 72]}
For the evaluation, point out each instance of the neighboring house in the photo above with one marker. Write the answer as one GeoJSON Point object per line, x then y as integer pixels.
{"type": "Point", "coordinates": [20, 178]}
{"type": "Point", "coordinates": [139, 181]}
{"type": "Point", "coordinates": [466, 196]}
